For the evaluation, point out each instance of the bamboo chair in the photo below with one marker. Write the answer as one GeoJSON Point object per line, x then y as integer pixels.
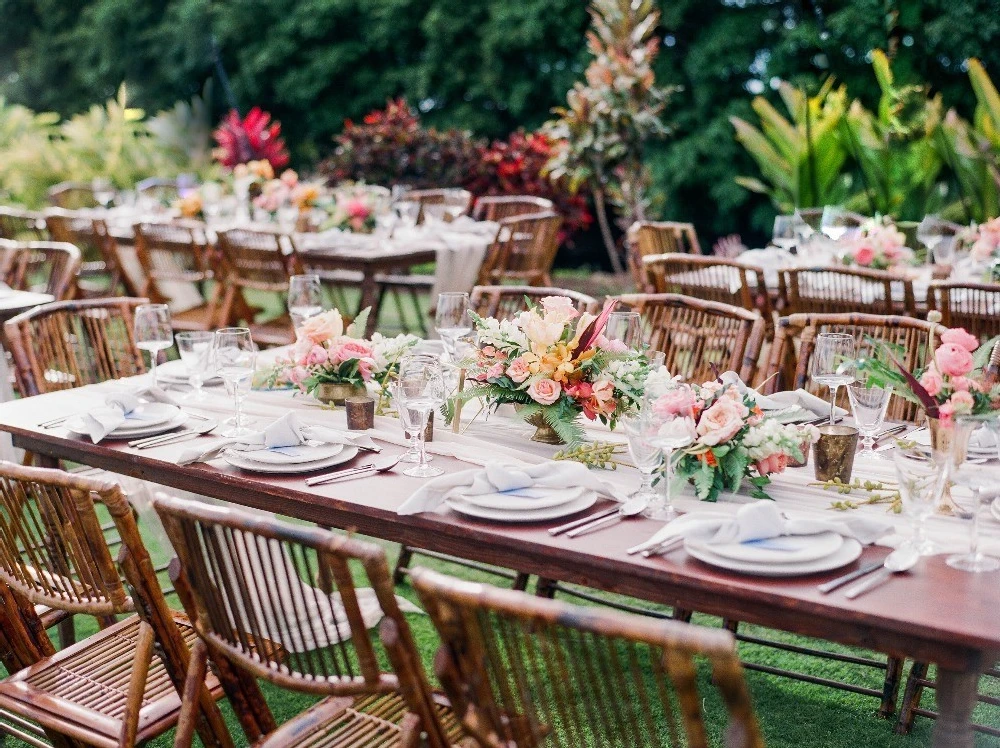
{"type": "Point", "coordinates": [919, 679]}
{"type": "Point", "coordinates": [524, 671]}
{"type": "Point", "coordinates": [791, 363]}
{"type": "Point", "coordinates": [72, 195]}
{"type": "Point", "coordinates": [524, 251]}
{"type": "Point", "coordinates": [646, 238]}
{"type": "Point", "coordinates": [497, 207]}
{"type": "Point", "coordinates": [974, 306]}
{"type": "Point", "coordinates": [814, 217]}
{"type": "Point", "coordinates": [163, 191]}
{"type": "Point", "coordinates": [69, 344]}
{"type": "Point", "coordinates": [120, 686]}
{"type": "Point", "coordinates": [255, 261]}
{"type": "Point", "coordinates": [694, 334]}
{"type": "Point", "coordinates": [711, 279]}
{"type": "Point", "coordinates": [506, 302]}
{"type": "Point", "coordinates": [824, 290]}
{"type": "Point", "coordinates": [44, 267]}
{"type": "Point", "coordinates": [100, 272]}
{"type": "Point", "coordinates": [440, 196]}
{"type": "Point", "coordinates": [22, 225]}
{"type": "Point", "coordinates": [235, 575]}
{"type": "Point", "coordinates": [178, 253]}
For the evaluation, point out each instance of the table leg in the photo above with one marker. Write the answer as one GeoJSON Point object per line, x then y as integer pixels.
{"type": "Point", "coordinates": [956, 697]}
{"type": "Point", "coordinates": [371, 298]}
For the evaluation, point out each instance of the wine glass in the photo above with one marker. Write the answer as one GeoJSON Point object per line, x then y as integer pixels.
{"type": "Point", "coordinates": [979, 479]}
{"type": "Point", "coordinates": [834, 363]}
{"type": "Point", "coordinates": [408, 212]}
{"type": "Point", "coordinates": [235, 357]}
{"type": "Point", "coordinates": [452, 320]}
{"type": "Point", "coordinates": [104, 191]}
{"type": "Point", "coordinates": [834, 222]}
{"type": "Point", "coordinates": [196, 353]}
{"type": "Point", "coordinates": [868, 405]}
{"type": "Point", "coordinates": [305, 298]}
{"type": "Point", "coordinates": [929, 234]}
{"type": "Point", "coordinates": [288, 217]}
{"type": "Point", "coordinates": [675, 429]}
{"type": "Point", "coordinates": [625, 327]}
{"type": "Point", "coordinates": [785, 233]}
{"type": "Point", "coordinates": [421, 388]}
{"type": "Point", "coordinates": [153, 333]}
{"type": "Point", "coordinates": [920, 474]}
{"type": "Point", "coordinates": [640, 429]}
{"type": "Point", "coordinates": [410, 419]}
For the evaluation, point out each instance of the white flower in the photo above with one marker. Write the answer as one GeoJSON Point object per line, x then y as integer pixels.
{"type": "Point", "coordinates": [659, 381]}
{"type": "Point", "coordinates": [388, 351]}
{"type": "Point", "coordinates": [540, 330]}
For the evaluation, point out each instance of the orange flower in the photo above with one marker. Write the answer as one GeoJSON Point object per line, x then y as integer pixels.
{"type": "Point", "coordinates": [708, 457]}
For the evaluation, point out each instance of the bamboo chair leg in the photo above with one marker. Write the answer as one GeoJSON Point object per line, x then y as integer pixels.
{"type": "Point", "coordinates": [67, 633]}
{"type": "Point", "coordinates": [890, 689]}
{"type": "Point", "coordinates": [911, 697]}
{"type": "Point", "coordinates": [137, 684]}
{"type": "Point", "coordinates": [188, 717]}
{"type": "Point", "coordinates": [402, 564]}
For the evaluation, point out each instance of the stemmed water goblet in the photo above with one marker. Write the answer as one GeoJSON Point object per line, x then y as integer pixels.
{"type": "Point", "coordinates": [408, 212]}
{"type": "Point", "coordinates": [869, 404]}
{"type": "Point", "coordinates": [104, 191]}
{"type": "Point", "coordinates": [979, 483]}
{"type": "Point", "coordinates": [834, 222]}
{"type": "Point", "coordinates": [624, 327]}
{"type": "Point", "coordinates": [421, 388]}
{"type": "Point", "coordinates": [784, 234]}
{"type": "Point", "coordinates": [452, 321]}
{"type": "Point", "coordinates": [920, 474]}
{"type": "Point", "coordinates": [305, 298]}
{"type": "Point", "coordinates": [641, 429]}
{"type": "Point", "coordinates": [195, 348]}
{"type": "Point", "coordinates": [675, 429]}
{"type": "Point", "coordinates": [834, 363]}
{"type": "Point", "coordinates": [235, 358]}
{"type": "Point", "coordinates": [153, 333]}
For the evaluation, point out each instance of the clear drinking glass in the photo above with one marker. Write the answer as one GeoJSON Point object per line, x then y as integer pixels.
{"type": "Point", "coordinates": [104, 191]}
{"type": "Point", "coordinates": [868, 405]}
{"type": "Point", "coordinates": [674, 430]}
{"type": "Point", "coordinates": [625, 327]}
{"type": "Point", "coordinates": [834, 363]}
{"type": "Point", "coordinates": [421, 388]}
{"type": "Point", "coordinates": [921, 475]}
{"type": "Point", "coordinates": [834, 222]}
{"type": "Point", "coordinates": [153, 333]}
{"type": "Point", "coordinates": [452, 320]}
{"type": "Point", "coordinates": [977, 478]}
{"type": "Point", "coordinates": [408, 212]}
{"type": "Point", "coordinates": [411, 426]}
{"type": "Point", "coordinates": [196, 353]}
{"type": "Point", "coordinates": [305, 298]}
{"type": "Point", "coordinates": [930, 235]}
{"type": "Point", "coordinates": [235, 357]}
{"type": "Point", "coordinates": [288, 217]}
{"type": "Point", "coordinates": [641, 430]}
{"type": "Point", "coordinates": [785, 234]}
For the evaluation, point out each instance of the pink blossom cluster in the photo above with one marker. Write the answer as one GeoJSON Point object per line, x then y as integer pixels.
{"type": "Point", "coordinates": [322, 344]}
{"type": "Point", "coordinates": [880, 246]}
{"type": "Point", "coordinates": [946, 378]}
{"type": "Point", "coordinates": [983, 240]}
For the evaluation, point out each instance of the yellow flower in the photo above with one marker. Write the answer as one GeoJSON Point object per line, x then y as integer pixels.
{"type": "Point", "coordinates": [262, 169]}
{"type": "Point", "coordinates": [190, 206]}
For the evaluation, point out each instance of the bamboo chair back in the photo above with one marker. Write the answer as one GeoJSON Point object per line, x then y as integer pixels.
{"type": "Point", "coordinates": [162, 191]}
{"type": "Point", "coordinates": [645, 238]}
{"type": "Point", "coordinates": [506, 302]}
{"type": "Point", "coordinates": [694, 334]}
{"type": "Point", "coordinates": [255, 259]}
{"type": "Point", "coordinates": [974, 306]}
{"type": "Point", "coordinates": [97, 244]}
{"type": "Point", "coordinates": [824, 290]}
{"type": "Point", "coordinates": [72, 343]}
{"type": "Point", "coordinates": [175, 251]}
{"type": "Point", "coordinates": [497, 207]}
{"type": "Point", "coordinates": [441, 196]}
{"type": "Point", "coordinates": [72, 195]}
{"type": "Point", "coordinates": [45, 267]}
{"type": "Point", "coordinates": [791, 358]}
{"type": "Point", "coordinates": [526, 671]}
{"type": "Point", "coordinates": [22, 225]}
{"type": "Point", "coordinates": [524, 251]}
{"type": "Point", "coordinates": [814, 217]}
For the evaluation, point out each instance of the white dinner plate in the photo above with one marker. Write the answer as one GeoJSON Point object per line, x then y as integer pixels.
{"type": "Point", "coordinates": [237, 460]}
{"type": "Point", "coordinates": [587, 500]}
{"type": "Point", "coordinates": [175, 372]}
{"type": "Point", "coordinates": [995, 509]}
{"type": "Point", "coordinates": [525, 498]}
{"type": "Point", "coordinates": [76, 426]}
{"type": "Point", "coordinates": [292, 455]}
{"type": "Point", "coordinates": [847, 553]}
{"type": "Point", "coordinates": [785, 549]}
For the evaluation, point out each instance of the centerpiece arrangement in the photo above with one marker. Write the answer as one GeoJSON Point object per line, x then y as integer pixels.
{"type": "Point", "coordinates": [729, 438]}
{"type": "Point", "coordinates": [554, 364]}
{"type": "Point", "coordinates": [982, 240]}
{"type": "Point", "coordinates": [354, 208]}
{"type": "Point", "coordinates": [880, 246]}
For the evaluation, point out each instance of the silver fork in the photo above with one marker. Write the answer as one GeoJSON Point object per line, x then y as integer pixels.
{"type": "Point", "coordinates": [161, 439]}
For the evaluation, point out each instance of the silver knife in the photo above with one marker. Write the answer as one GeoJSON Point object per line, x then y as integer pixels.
{"type": "Point", "coordinates": [841, 581]}
{"type": "Point", "coordinates": [870, 583]}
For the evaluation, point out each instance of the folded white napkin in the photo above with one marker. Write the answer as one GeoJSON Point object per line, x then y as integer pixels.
{"type": "Point", "coordinates": [287, 431]}
{"type": "Point", "coordinates": [506, 479]}
{"type": "Point", "coordinates": [783, 400]}
{"type": "Point", "coordinates": [759, 520]}
{"type": "Point", "coordinates": [101, 421]}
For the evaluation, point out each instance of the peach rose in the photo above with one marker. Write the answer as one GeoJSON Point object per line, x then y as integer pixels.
{"type": "Point", "coordinates": [317, 355]}
{"type": "Point", "coordinates": [289, 178]}
{"type": "Point", "coordinates": [961, 338]}
{"type": "Point", "coordinates": [775, 463]}
{"type": "Point", "coordinates": [678, 401]}
{"type": "Point", "coordinates": [953, 360]}
{"type": "Point", "coordinates": [559, 309]}
{"type": "Point", "coordinates": [962, 402]}
{"type": "Point", "coordinates": [721, 422]}
{"type": "Point", "coordinates": [545, 391]}
{"type": "Point", "coordinates": [495, 371]}
{"type": "Point", "coordinates": [518, 370]}
{"type": "Point", "coordinates": [931, 381]}
{"type": "Point", "coordinates": [323, 327]}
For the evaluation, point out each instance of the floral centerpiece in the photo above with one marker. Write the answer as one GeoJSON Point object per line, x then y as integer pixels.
{"type": "Point", "coordinates": [880, 246]}
{"type": "Point", "coordinates": [731, 440]}
{"type": "Point", "coordinates": [555, 364]}
{"type": "Point", "coordinates": [354, 208]}
{"type": "Point", "coordinates": [287, 189]}
{"type": "Point", "coordinates": [982, 240]}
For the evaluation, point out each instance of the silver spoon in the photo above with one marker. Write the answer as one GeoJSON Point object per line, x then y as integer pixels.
{"type": "Point", "coordinates": [900, 560]}
{"type": "Point", "coordinates": [630, 508]}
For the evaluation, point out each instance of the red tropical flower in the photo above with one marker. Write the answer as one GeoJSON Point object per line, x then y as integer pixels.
{"type": "Point", "coordinates": [253, 138]}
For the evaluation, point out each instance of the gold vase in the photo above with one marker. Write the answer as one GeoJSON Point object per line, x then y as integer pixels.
{"type": "Point", "coordinates": [336, 394]}
{"type": "Point", "coordinates": [543, 432]}
{"type": "Point", "coordinates": [949, 443]}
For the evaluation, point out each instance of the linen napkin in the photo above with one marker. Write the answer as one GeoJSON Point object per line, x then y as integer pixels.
{"type": "Point", "coordinates": [512, 480]}
{"type": "Point", "coordinates": [117, 407]}
{"type": "Point", "coordinates": [758, 521]}
{"type": "Point", "coordinates": [799, 398]}
{"type": "Point", "coordinates": [287, 431]}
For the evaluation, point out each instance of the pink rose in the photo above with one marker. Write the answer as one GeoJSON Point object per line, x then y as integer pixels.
{"type": "Point", "coordinates": [545, 391]}
{"type": "Point", "coordinates": [931, 381]}
{"type": "Point", "coordinates": [953, 360]}
{"type": "Point", "coordinates": [559, 309]}
{"type": "Point", "coordinates": [721, 422]}
{"type": "Point", "coordinates": [945, 413]}
{"type": "Point", "coordinates": [495, 371]}
{"type": "Point", "coordinates": [962, 402]}
{"type": "Point", "coordinates": [775, 463]}
{"type": "Point", "coordinates": [961, 338]}
{"type": "Point", "coordinates": [611, 346]}
{"type": "Point", "coordinates": [357, 209]}
{"type": "Point", "coordinates": [678, 401]}
{"type": "Point", "coordinates": [296, 374]}
{"type": "Point", "coordinates": [366, 367]}
{"type": "Point", "coordinates": [518, 370]}
{"type": "Point", "coordinates": [864, 255]}
{"type": "Point", "coordinates": [962, 384]}
{"type": "Point", "coordinates": [289, 178]}
{"type": "Point", "coordinates": [317, 355]}
{"type": "Point", "coordinates": [323, 327]}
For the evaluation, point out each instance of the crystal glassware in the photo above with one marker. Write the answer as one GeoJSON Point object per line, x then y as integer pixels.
{"type": "Point", "coordinates": [104, 191]}
{"type": "Point", "coordinates": [974, 479]}
{"type": "Point", "coordinates": [784, 234]}
{"type": "Point", "coordinates": [675, 429]}
{"type": "Point", "coordinates": [452, 321]}
{"type": "Point", "coordinates": [421, 388]}
{"type": "Point", "coordinates": [153, 333]}
{"type": "Point", "coordinates": [408, 212]}
{"type": "Point", "coordinates": [641, 430]}
{"type": "Point", "coordinates": [288, 217]}
{"type": "Point", "coordinates": [834, 222]}
{"type": "Point", "coordinates": [921, 474]}
{"type": "Point", "coordinates": [625, 327]}
{"type": "Point", "coordinates": [305, 298]}
{"type": "Point", "coordinates": [868, 406]}
{"type": "Point", "coordinates": [235, 358]}
{"type": "Point", "coordinates": [930, 235]}
{"type": "Point", "coordinates": [195, 348]}
{"type": "Point", "coordinates": [834, 363]}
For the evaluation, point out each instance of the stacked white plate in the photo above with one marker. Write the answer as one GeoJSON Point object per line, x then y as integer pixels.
{"type": "Point", "coordinates": [785, 556]}
{"type": "Point", "coordinates": [175, 372]}
{"type": "Point", "coordinates": [524, 504]}
{"type": "Point", "coordinates": [302, 458]}
{"type": "Point", "coordinates": [995, 509]}
{"type": "Point", "coordinates": [148, 419]}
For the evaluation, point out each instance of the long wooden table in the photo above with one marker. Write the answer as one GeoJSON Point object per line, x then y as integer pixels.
{"type": "Point", "coordinates": [937, 614]}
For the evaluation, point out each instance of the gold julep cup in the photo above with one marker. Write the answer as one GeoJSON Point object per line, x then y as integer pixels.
{"type": "Point", "coordinates": [834, 452]}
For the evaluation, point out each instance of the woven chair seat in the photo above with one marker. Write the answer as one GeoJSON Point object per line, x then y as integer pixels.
{"type": "Point", "coordinates": [201, 317]}
{"type": "Point", "coordinates": [82, 691]}
{"type": "Point", "coordinates": [277, 331]}
{"type": "Point", "coordinates": [366, 721]}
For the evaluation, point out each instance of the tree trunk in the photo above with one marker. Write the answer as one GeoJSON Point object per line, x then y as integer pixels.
{"type": "Point", "coordinates": [609, 242]}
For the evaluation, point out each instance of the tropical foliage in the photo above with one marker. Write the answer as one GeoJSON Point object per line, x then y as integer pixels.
{"type": "Point", "coordinates": [251, 138]}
